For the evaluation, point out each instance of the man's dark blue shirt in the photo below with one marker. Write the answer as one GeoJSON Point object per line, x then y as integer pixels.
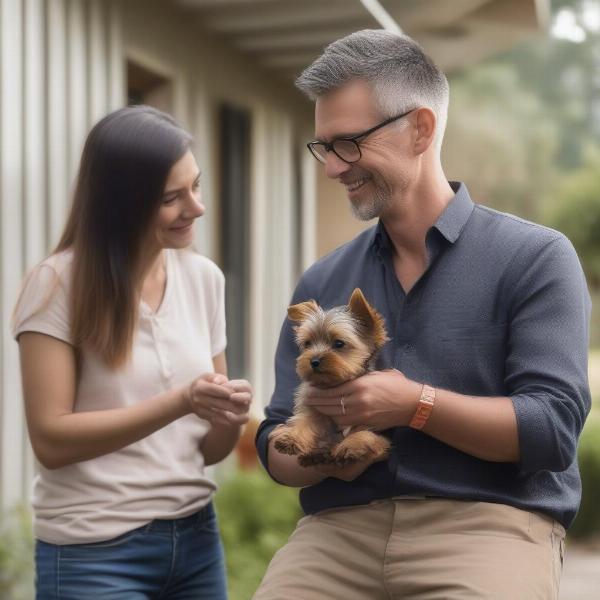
{"type": "Point", "coordinates": [502, 310]}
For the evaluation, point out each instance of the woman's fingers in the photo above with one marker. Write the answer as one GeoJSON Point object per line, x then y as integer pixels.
{"type": "Point", "coordinates": [237, 419]}
{"type": "Point", "coordinates": [215, 398]}
{"type": "Point", "coordinates": [240, 385]}
{"type": "Point", "coordinates": [204, 388]}
{"type": "Point", "coordinates": [217, 378]}
{"type": "Point", "coordinates": [237, 403]}
{"type": "Point", "coordinates": [241, 398]}
{"type": "Point", "coordinates": [224, 417]}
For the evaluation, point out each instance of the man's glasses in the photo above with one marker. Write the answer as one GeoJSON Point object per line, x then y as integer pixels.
{"type": "Point", "coordinates": [347, 148]}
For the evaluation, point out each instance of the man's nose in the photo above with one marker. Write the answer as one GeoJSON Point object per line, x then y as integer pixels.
{"type": "Point", "coordinates": [335, 166]}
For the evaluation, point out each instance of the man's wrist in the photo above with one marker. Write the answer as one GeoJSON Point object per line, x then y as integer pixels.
{"type": "Point", "coordinates": [409, 402]}
{"type": "Point", "coordinates": [424, 407]}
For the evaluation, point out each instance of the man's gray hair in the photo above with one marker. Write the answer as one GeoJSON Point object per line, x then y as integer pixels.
{"type": "Point", "coordinates": [401, 74]}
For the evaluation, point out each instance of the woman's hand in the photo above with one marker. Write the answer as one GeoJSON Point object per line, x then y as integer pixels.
{"type": "Point", "coordinates": [219, 400]}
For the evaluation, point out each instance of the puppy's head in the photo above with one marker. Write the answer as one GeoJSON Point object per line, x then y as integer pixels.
{"type": "Point", "coordinates": [336, 345]}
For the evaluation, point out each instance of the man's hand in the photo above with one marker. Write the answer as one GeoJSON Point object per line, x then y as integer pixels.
{"type": "Point", "coordinates": [379, 400]}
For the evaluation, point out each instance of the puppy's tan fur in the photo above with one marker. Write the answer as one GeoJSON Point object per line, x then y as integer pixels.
{"type": "Point", "coordinates": [345, 341]}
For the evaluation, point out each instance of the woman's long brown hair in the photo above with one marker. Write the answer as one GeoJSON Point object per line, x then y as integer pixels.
{"type": "Point", "coordinates": [124, 167]}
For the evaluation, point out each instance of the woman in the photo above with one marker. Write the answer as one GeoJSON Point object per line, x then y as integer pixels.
{"type": "Point", "coordinates": [121, 334]}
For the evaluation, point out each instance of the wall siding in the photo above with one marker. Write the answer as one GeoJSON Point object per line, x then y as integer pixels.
{"type": "Point", "coordinates": [54, 74]}
{"type": "Point", "coordinates": [62, 67]}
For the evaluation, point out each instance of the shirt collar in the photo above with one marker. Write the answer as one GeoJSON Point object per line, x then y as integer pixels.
{"type": "Point", "coordinates": [455, 216]}
{"type": "Point", "coordinates": [450, 223]}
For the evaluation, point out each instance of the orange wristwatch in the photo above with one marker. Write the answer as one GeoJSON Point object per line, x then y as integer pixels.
{"type": "Point", "coordinates": [424, 407]}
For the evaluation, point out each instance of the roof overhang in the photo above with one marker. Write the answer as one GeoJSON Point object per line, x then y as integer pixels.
{"type": "Point", "coordinates": [284, 36]}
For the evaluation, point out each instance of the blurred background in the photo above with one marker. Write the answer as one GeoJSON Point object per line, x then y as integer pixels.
{"type": "Point", "coordinates": [523, 133]}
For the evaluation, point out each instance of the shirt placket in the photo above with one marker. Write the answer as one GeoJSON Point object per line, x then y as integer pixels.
{"type": "Point", "coordinates": [397, 306]}
{"type": "Point", "coordinates": [160, 345]}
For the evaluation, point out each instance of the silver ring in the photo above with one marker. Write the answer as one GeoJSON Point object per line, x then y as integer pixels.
{"type": "Point", "coordinates": [342, 405]}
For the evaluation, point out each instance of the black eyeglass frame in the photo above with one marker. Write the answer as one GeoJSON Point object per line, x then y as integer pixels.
{"type": "Point", "coordinates": [329, 146]}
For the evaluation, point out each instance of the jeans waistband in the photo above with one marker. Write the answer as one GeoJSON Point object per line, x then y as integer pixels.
{"type": "Point", "coordinates": [168, 525]}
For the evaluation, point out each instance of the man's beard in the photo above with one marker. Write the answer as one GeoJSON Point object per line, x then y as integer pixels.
{"type": "Point", "coordinates": [371, 207]}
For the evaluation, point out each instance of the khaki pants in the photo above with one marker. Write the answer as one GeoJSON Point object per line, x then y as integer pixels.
{"type": "Point", "coordinates": [424, 549]}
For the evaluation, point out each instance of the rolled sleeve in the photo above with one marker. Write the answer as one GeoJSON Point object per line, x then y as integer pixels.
{"type": "Point", "coordinates": [546, 368]}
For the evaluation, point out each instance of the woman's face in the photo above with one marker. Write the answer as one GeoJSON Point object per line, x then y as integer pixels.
{"type": "Point", "coordinates": [181, 205]}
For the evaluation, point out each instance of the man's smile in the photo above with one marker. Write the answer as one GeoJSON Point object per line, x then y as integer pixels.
{"type": "Point", "coordinates": [352, 186]}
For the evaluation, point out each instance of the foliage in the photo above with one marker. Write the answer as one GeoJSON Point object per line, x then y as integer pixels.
{"type": "Point", "coordinates": [16, 555]}
{"type": "Point", "coordinates": [500, 140]}
{"type": "Point", "coordinates": [587, 523]}
{"type": "Point", "coordinates": [562, 74]}
{"type": "Point", "coordinates": [518, 123]}
{"type": "Point", "coordinates": [577, 214]}
{"type": "Point", "coordinates": [256, 517]}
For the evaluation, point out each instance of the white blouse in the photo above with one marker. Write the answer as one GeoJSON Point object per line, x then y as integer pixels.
{"type": "Point", "coordinates": [161, 476]}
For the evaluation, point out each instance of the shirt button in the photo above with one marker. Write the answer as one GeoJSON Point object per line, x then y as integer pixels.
{"type": "Point", "coordinates": [408, 347]}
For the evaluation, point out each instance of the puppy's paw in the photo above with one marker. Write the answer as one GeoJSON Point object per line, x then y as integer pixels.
{"type": "Point", "coordinates": [285, 445]}
{"type": "Point", "coordinates": [380, 450]}
{"type": "Point", "coordinates": [359, 446]}
{"type": "Point", "coordinates": [346, 456]}
{"type": "Point", "coordinates": [314, 458]}
{"type": "Point", "coordinates": [284, 440]}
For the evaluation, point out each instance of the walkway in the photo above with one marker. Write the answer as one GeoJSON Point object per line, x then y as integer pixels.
{"type": "Point", "coordinates": [581, 573]}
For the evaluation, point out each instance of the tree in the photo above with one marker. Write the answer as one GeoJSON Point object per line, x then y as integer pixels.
{"type": "Point", "coordinates": [500, 140]}
{"type": "Point", "coordinates": [576, 212]}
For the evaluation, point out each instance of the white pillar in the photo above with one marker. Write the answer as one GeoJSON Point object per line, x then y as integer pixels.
{"type": "Point", "coordinates": [57, 142]}
{"type": "Point", "coordinates": [11, 246]}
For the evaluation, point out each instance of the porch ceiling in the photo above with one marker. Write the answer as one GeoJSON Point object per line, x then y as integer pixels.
{"type": "Point", "coordinates": [284, 36]}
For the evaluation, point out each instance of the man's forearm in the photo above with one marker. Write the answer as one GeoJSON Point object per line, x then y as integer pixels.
{"type": "Point", "coordinates": [485, 427]}
{"type": "Point", "coordinates": [286, 470]}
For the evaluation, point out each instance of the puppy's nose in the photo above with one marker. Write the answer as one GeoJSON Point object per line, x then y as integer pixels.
{"type": "Point", "coordinates": [315, 362]}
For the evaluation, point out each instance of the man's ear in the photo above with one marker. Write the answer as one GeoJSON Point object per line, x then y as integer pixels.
{"type": "Point", "coordinates": [299, 312]}
{"type": "Point", "coordinates": [425, 128]}
{"type": "Point", "coordinates": [368, 316]}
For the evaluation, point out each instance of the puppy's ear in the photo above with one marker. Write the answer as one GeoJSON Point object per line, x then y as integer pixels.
{"type": "Point", "coordinates": [369, 317]}
{"type": "Point", "coordinates": [300, 312]}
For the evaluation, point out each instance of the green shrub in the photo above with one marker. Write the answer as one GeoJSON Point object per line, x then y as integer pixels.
{"type": "Point", "coordinates": [16, 555]}
{"type": "Point", "coordinates": [587, 523]}
{"type": "Point", "coordinates": [576, 213]}
{"type": "Point", "coordinates": [256, 517]}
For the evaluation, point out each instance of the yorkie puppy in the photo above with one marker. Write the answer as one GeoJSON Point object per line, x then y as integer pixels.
{"type": "Point", "coordinates": [336, 345]}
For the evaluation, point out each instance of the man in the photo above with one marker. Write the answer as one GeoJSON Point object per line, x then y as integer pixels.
{"type": "Point", "coordinates": [482, 388]}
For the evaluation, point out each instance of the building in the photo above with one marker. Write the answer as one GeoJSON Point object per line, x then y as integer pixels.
{"type": "Point", "coordinates": [225, 70]}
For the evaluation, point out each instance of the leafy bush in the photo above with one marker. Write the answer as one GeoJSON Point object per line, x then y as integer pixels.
{"type": "Point", "coordinates": [577, 214]}
{"type": "Point", "coordinates": [256, 517]}
{"type": "Point", "coordinates": [16, 555]}
{"type": "Point", "coordinates": [587, 523]}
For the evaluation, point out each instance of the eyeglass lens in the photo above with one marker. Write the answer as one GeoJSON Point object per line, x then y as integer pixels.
{"type": "Point", "coordinates": [346, 149]}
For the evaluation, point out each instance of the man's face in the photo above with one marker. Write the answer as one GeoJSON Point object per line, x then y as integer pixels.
{"type": "Point", "coordinates": [382, 174]}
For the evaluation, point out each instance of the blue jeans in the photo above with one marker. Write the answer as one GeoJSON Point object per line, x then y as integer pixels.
{"type": "Point", "coordinates": [178, 559]}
